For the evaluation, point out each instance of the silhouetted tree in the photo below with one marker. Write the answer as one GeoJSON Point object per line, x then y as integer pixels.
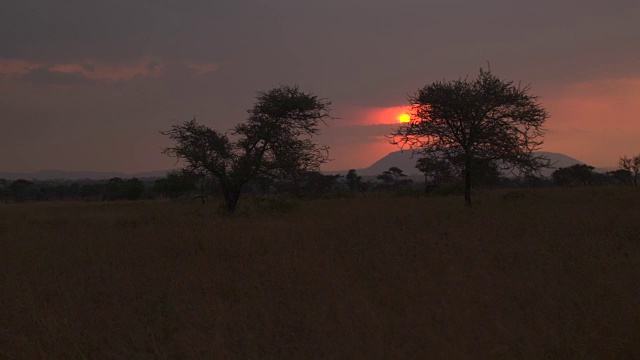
{"type": "Point", "coordinates": [133, 189]}
{"type": "Point", "coordinates": [317, 183]}
{"type": "Point", "coordinates": [275, 142]}
{"type": "Point", "coordinates": [485, 119]}
{"type": "Point", "coordinates": [113, 189]}
{"type": "Point", "coordinates": [120, 189]}
{"type": "Point", "coordinates": [354, 181]}
{"type": "Point", "coordinates": [176, 184]}
{"type": "Point", "coordinates": [393, 178]}
{"type": "Point", "coordinates": [19, 189]}
{"type": "Point", "coordinates": [632, 165]}
{"type": "Point", "coordinates": [436, 169]}
{"type": "Point", "coordinates": [621, 177]}
{"type": "Point", "coordinates": [578, 174]}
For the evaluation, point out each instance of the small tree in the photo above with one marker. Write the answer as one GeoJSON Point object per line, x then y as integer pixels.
{"type": "Point", "coordinates": [176, 184]}
{"type": "Point", "coordinates": [485, 119]}
{"type": "Point", "coordinates": [120, 189]}
{"type": "Point", "coordinates": [354, 181]}
{"type": "Point", "coordinates": [393, 178]}
{"type": "Point", "coordinates": [275, 142]}
{"type": "Point", "coordinates": [114, 189]}
{"type": "Point", "coordinates": [620, 177]}
{"type": "Point", "coordinates": [578, 174]}
{"type": "Point", "coordinates": [436, 170]}
{"type": "Point", "coordinates": [133, 189]}
{"type": "Point", "coordinates": [632, 165]}
{"type": "Point", "coordinates": [316, 183]}
{"type": "Point", "coordinates": [19, 189]}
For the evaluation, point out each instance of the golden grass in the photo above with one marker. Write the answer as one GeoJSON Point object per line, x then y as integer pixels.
{"type": "Point", "coordinates": [523, 274]}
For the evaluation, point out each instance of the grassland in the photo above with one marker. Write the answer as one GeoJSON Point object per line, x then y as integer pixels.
{"type": "Point", "coordinates": [548, 273]}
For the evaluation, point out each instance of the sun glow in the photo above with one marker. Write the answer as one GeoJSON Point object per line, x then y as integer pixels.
{"type": "Point", "coordinates": [404, 118]}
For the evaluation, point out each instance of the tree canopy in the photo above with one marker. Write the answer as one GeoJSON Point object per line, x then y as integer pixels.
{"type": "Point", "coordinates": [276, 142]}
{"type": "Point", "coordinates": [354, 181]}
{"type": "Point", "coordinates": [577, 174]}
{"type": "Point", "coordinates": [394, 178]}
{"type": "Point", "coordinates": [482, 120]}
{"type": "Point", "coordinates": [632, 165]}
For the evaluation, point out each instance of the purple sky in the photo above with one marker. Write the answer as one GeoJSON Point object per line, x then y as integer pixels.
{"type": "Point", "coordinates": [88, 85]}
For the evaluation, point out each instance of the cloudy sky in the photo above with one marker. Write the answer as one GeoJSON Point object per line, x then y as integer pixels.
{"type": "Point", "coordinates": [88, 85]}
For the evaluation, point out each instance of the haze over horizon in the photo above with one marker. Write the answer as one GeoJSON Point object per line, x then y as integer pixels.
{"type": "Point", "coordinates": [87, 85]}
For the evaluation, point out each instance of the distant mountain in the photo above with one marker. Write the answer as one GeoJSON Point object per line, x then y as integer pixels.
{"type": "Point", "coordinates": [406, 161]}
{"type": "Point", "coordinates": [151, 174]}
{"type": "Point", "coordinates": [75, 175]}
{"type": "Point", "coordinates": [79, 175]}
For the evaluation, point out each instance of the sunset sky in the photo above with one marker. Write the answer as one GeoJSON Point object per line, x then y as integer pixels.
{"type": "Point", "coordinates": [88, 85]}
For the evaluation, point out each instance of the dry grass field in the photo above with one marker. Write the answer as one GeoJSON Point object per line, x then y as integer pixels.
{"type": "Point", "coordinates": [547, 273]}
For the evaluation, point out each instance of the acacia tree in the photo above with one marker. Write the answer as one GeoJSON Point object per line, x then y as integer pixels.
{"type": "Point", "coordinates": [632, 165]}
{"type": "Point", "coordinates": [577, 174]}
{"type": "Point", "coordinates": [275, 142]}
{"type": "Point", "coordinates": [354, 181]}
{"type": "Point", "coordinates": [435, 168]}
{"type": "Point", "coordinates": [486, 119]}
{"type": "Point", "coordinates": [19, 189]}
{"type": "Point", "coordinates": [393, 178]}
{"type": "Point", "coordinates": [620, 177]}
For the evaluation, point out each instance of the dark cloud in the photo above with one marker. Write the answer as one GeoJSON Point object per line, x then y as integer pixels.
{"type": "Point", "coordinates": [366, 44]}
{"type": "Point", "coordinates": [89, 67]}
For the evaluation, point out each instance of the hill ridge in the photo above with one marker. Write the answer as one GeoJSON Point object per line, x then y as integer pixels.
{"type": "Point", "coordinates": [404, 160]}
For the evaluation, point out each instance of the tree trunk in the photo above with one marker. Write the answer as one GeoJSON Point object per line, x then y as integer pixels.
{"type": "Point", "coordinates": [231, 196]}
{"type": "Point", "coordinates": [467, 178]}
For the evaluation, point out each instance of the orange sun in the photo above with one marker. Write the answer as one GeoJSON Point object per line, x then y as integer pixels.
{"type": "Point", "coordinates": [404, 118]}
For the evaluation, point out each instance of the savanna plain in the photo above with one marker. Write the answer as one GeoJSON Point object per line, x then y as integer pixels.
{"type": "Point", "coordinates": [531, 273]}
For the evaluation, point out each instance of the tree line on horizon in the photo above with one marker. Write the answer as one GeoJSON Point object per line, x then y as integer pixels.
{"type": "Point", "coordinates": [439, 178]}
{"type": "Point", "coordinates": [466, 132]}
